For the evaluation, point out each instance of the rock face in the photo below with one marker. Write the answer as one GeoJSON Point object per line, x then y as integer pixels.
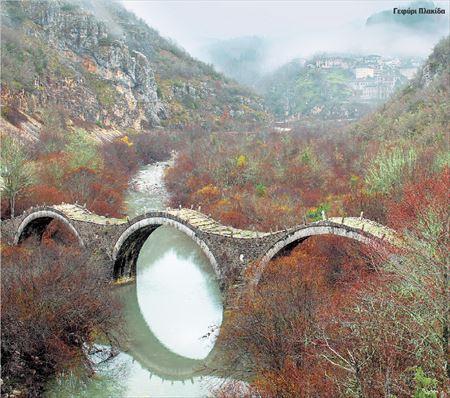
{"type": "Point", "coordinates": [106, 82]}
{"type": "Point", "coordinates": [102, 65]}
{"type": "Point", "coordinates": [436, 66]}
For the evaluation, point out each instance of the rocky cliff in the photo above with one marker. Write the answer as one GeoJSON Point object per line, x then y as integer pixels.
{"type": "Point", "coordinates": [103, 66]}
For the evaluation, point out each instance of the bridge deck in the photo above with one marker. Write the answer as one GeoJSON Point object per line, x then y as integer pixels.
{"type": "Point", "coordinates": [368, 226]}
{"type": "Point", "coordinates": [79, 213]}
{"type": "Point", "coordinates": [206, 224]}
{"type": "Point", "coordinates": [196, 219]}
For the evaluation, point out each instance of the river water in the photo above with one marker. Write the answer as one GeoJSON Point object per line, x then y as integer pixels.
{"type": "Point", "coordinates": [172, 314]}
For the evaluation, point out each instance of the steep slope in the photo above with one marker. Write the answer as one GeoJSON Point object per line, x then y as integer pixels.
{"type": "Point", "coordinates": [103, 66]}
{"type": "Point", "coordinates": [419, 112]}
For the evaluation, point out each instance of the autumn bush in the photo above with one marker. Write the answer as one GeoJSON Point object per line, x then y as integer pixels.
{"type": "Point", "coordinates": [333, 318]}
{"type": "Point", "coordinates": [266, 180]}
{"type": "Point", "coordinates": [398, 324]}
{"type": "Point", "coordinates": [275, 335]}
{"type": "Point", "coordinates": [55, 302]}
{"type": "Point", "coordinates": [68, 165]}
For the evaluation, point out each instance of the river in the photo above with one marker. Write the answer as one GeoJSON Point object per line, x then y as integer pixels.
{"type": "Point", "coordinates": [172, 315]}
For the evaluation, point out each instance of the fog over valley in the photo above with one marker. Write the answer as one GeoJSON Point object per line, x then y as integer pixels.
{"type": "Point", "coordinates": [286, 30]}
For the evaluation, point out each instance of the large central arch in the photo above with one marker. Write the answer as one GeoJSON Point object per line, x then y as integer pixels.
{"type": "Point", "coordinates": [307, 232]}
{"type": "Point", "coordinates": [128, 245]}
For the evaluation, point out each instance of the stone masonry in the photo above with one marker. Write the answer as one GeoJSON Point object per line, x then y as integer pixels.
{"type": "Point", "coordinates": [229, 250]}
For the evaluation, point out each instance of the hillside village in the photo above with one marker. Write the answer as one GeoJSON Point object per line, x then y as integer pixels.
{"type": "Point", "coordinates": [375, 78]}
{"type": "Point", "coordinates": [336, 87]}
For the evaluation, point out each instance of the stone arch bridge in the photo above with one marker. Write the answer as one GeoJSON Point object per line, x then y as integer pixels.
{"type": "Point", "coordinates": [229, 250]}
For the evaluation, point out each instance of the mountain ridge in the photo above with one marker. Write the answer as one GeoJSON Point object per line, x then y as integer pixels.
{"type": "Point", "coordinates": [112, 70]}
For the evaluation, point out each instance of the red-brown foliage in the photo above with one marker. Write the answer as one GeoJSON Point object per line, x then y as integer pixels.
{"type": "Point", "coordinates": [53, 300]}
{"type": "Point", "coordinates": [277, 330]}
{"type": "Point", "coordinates": [425, 194]}
{"type": "Point", "coordinates": [264, 180]}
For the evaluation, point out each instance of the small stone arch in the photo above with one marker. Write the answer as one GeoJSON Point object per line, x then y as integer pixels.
{"type": "Point", "coordinates": [127, 247]}
{"type": "Point", "coordinates": [305, 233]}
{"type": "Point", "coordinates": [36, 223]}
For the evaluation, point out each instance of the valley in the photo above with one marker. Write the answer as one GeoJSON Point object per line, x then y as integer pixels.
{"type": "Point", "coordinates": [104, 120]}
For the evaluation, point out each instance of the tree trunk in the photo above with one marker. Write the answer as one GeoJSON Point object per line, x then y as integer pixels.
{"type": "Point", "coordinates": [12, 204]}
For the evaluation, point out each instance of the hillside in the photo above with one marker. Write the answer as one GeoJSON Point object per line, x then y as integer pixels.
{"type": "Point", "coordinates": [333, 86]}
{"type": "Point", "coordinates": [300, 91]}
{"type": "Point", "coordinates": [105, 67]}
{"type": "Point", "coordinates": [419, 112]}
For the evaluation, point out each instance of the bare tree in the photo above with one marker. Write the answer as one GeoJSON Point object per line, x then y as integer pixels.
{"type": "Point", "coordinates": [16, 173]}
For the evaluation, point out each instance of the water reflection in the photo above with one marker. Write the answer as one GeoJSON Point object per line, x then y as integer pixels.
{"type": "Point", "coordinates": [175, 301]}
{"type": "Point", "coordinates": [141, 383]}
{"type": "Point", "coordinates": [170, 308]}
{"type": "Point", "coordinates": [177, 293]}
{"type": "Point", "coordinates": [125, 377]}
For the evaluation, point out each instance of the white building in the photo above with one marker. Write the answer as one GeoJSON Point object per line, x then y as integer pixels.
{"type": "Point", "coordinates": [364, 72]}
{"type": "Point", "coordinates": [332, 62]}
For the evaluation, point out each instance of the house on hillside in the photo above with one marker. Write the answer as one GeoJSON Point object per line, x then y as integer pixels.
{"type": "Point", "coordinates": [363, 72]}
{"type": "Point", "coordinates": [332, 62]}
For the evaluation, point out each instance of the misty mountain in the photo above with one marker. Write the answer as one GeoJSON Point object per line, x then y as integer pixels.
{"type": "Point", "coordinates": [427, 23]}
{"type": "Point", "coordinates": [334, 86]}
{"type": "Point", "coordinates": [248, 59]}
{"type": "Point", "coordinates": [241, 58]}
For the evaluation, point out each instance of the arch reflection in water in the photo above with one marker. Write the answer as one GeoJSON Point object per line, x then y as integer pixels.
{"type": "Point", "coordinates": [178, 293]}
{"type": "Point", "coordinates": [123, 376]}
{"type": "Point", "coordinates": [139, 383]}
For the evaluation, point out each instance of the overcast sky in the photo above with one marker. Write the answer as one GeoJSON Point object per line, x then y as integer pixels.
{"type": "Point", "coordinates": [294, 28]}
